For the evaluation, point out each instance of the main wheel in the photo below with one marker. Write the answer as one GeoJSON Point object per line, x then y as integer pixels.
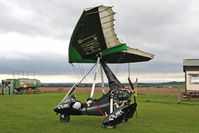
{"type": "Point", "coordinates": [110, 127]}
{"type": "Point", "coordinates": [64, 118]}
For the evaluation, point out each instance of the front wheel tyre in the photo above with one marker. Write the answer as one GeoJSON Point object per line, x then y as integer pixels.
{"type": "Point", "coordinates": [64, 118]}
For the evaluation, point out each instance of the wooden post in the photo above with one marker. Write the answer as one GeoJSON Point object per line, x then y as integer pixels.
{"type": "Point", "coordinates": [179, 96]}
{"type": "Point", "coordinates": [189, 95]}
{"type": "Point", "coordinates": [148, 91]}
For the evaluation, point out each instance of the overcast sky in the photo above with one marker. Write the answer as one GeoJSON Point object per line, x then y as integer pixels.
{"type": "Point", "coordinates": [34, 36]}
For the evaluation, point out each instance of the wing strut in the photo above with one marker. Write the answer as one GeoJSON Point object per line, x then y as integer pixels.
{"type": "Point", "coordinates": [94, 80]}
{"type": "Point", "coordinates": [102, 79]}
{"type": "Point", "coordinates": [74, 87]}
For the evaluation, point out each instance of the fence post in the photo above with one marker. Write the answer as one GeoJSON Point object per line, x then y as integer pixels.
{"type": "Point", "coordinates": [148, 90]}
{"type": "Point", "coordinates": [179, 96]}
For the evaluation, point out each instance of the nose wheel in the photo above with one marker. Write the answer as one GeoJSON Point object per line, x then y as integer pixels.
{"type": "Point", "coordinates": [64, 118]}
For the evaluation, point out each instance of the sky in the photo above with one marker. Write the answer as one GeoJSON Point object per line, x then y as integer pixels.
{"type": "Point", "coordinates": [34, 37]}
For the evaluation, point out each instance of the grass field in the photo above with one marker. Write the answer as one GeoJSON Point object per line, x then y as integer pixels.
{"type": "Point", "coordinates": [34, 114]}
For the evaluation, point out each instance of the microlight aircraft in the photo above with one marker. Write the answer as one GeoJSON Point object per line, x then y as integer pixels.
{"type": "Point", "coordinates": [94, 41]}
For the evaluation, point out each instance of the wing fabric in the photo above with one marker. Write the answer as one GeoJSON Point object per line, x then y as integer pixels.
{"type": "Point", "coordinates": [94, 34]}
{"type": "Point", "coordinates": [88, 38]}
{"type": "Point", "coordinates": [106, 15]}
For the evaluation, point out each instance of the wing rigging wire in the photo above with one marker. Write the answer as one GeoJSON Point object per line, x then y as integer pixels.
{"type": "Point", "coordinates": [86, 74]}
{"type": "Point", "coordinates": [83, 77]}
{"type": "Point", "coordinates": [80, 69]}
{"type": "Point", "coordinates": [77, 71]}
{"type": "Point", "coordinates": [117, 66]}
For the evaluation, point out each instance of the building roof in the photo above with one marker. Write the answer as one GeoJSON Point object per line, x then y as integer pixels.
{"type": "Point", "coordinates": [191, 62]}
{"type": "Point", "coordinates": [191, 65]}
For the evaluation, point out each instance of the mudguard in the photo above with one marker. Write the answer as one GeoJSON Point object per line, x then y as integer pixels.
{"type": "Point", "coordinates": [120, 114]}
{"type": "Point", "coordinates": [130, 110]}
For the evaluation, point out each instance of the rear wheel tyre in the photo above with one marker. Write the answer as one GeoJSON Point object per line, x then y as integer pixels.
{"type": "Point", "coordinates": [64, 118]}
{"type": "Point", "coordinates": [109, 127]}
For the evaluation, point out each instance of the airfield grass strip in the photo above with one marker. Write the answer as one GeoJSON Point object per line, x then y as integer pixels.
{"type": "Point", "coordinates": [34, 114]}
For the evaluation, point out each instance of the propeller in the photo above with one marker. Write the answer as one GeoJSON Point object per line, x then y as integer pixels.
{"type": "Point", "coordinates": [133, 90]}
{"type": "Point", "coordinates": [133, 87]}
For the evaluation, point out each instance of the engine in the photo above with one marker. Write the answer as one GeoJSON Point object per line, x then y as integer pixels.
{"type": "Point", "coordinates": [121, 97]}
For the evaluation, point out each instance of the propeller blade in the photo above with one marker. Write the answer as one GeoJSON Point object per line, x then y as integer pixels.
{"type": "Point", "coordinates": [133, 88]}
{"type": "Point", "coordinates": [130, 83]}
{"type": "Point", "coordinates": [136, 81]}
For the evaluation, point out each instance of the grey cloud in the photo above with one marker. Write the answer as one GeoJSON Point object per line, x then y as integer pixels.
{"type": "Point", "coordinates": [38, 65]}
{"type": "Point", "coordinates": [167, 28]}
{"type": "Point", "coordinates": [47, 18]}
{"type": "Point", "coordinates": [59, 66]}
{"type": "Point", "coordinates": [163, 28]}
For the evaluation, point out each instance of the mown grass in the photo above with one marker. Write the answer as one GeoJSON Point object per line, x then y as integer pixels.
{"type": "Point", "coordinates": [34, 114]}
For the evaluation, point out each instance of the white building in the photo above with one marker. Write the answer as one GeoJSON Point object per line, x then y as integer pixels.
{"type": "Point", "coordinates": [191, 69]}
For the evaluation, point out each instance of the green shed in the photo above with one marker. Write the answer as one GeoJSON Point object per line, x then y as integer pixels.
{"type": "Point", "coordinates": [19, 86]}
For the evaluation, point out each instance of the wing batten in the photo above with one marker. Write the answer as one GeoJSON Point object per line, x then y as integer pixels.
{"type": "Point", "coordinates": [107, 18]}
